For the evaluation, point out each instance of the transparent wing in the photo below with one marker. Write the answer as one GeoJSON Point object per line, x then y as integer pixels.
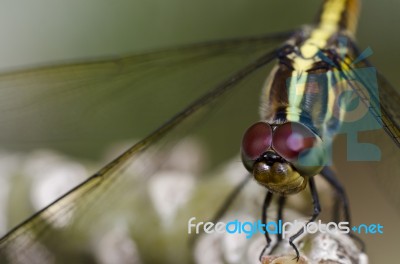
{"type": "Point", "coordinates": [387, 175]}
{"type": "Point", "coordinates": [389, 99]}
{"type": "Point", "coordinates": [381, 98]}
{"type": "Point", "coordinates": [41, 238]}
{"type": "Point", "coordinates": [374, 145]}
{"type": "Point", "coordinates": [86, 106]}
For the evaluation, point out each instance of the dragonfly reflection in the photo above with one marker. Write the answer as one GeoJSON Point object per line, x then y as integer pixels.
{"type": "Point", "coordinates": [309, 52]}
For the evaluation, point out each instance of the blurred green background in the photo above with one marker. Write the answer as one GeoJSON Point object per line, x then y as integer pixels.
{"type": "Point", "coordinates": [51, 32]}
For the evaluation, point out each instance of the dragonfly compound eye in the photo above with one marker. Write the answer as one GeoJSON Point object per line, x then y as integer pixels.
{"type": "Point", "coordinates": [256, 140]}
{"type": "Point", "coordinates": [300, 146]}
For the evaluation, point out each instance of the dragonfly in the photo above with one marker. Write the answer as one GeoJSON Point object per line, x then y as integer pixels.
{"type": "Point", "coordinates": [23, 241]}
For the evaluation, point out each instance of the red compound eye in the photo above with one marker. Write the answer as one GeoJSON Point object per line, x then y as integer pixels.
{"type": "Point", "coordinates": [256, 141]}
{"type": "Point", "coordinates": [291, 139]}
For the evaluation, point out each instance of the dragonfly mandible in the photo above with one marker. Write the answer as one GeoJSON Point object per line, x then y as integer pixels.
{"type": "Point", "coordinates": [93, 186]}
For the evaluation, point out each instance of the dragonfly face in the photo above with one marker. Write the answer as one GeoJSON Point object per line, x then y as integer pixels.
{"type": "Point", "coordinates": [279, 156]}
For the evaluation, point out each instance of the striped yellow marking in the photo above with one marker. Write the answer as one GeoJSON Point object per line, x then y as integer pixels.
{"type": "Point", "coordinates": [329, 24]}
{"type": "Point", "coordinates": [296, 92]}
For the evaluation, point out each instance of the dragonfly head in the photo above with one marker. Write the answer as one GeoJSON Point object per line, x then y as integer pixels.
{"type": "Point", "coordinates": [282, 157]}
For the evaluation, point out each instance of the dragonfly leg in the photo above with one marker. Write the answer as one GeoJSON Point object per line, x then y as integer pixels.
{"type": "Point", "coordinates": [316, 212]}
{"type": "Point", "coordinates": [281, 204]}
{"type": "Point", "coordinates": [267, 202]}
{"type": "Point", "coordinates": [330, 177]}
{"type": "Point", "coordinates": [336, 207]}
